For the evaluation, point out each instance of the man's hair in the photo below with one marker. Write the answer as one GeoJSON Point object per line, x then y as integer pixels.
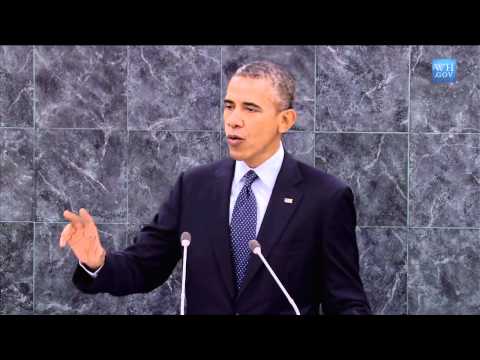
{"type": "Point", "coordinates": [282, 80]}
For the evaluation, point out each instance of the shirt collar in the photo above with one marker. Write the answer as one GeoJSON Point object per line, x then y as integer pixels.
{"type": "Point", "coordinates": [267, 171]}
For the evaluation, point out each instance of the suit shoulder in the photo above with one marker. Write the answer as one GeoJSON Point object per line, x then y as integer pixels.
{"type": "Point", "coordinates": [321, 180]}
{"type": "Point", "coordinates": [205, 171]}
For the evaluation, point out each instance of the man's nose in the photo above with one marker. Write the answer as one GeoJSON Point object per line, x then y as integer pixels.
{"type": "Point", "coordinates": [234, 120]}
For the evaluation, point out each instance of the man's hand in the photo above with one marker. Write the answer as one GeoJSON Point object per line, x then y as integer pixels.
{"type": "Point", "coordinates": [82, 237]}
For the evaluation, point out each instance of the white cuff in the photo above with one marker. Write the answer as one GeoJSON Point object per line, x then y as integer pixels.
{"type": "Point", "coordinates": [92, 274]}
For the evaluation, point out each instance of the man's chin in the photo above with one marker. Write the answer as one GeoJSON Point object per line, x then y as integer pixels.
{"type": "Point", "coordinates": [235, 155]}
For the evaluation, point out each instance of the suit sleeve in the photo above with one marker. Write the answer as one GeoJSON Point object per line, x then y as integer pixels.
{"type": "Point", "coordinates": [341, 289]}
{"type": "Point", "coordinates": [147, 263]}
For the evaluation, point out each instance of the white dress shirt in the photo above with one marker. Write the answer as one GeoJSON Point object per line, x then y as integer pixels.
{"type": "Point", "coordinates": [262, 187]}
{"type": "Point", "coordinates": [92, 274]}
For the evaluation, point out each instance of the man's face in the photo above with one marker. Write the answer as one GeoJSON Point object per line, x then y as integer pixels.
{"type": "Point", "coordinates": [252, 119]}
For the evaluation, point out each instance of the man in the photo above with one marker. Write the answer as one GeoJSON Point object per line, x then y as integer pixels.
{"type": "Point", "coordinates": [303, 219]}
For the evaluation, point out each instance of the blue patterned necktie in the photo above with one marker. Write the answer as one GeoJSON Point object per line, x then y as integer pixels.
{"type": "Point", "coordinates": [243, 226]}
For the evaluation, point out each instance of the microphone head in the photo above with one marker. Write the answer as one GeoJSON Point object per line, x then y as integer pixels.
{"type": "Point", "coordinates": [185, 238]}
{"type": "Point", "coordinates": [254, 246]}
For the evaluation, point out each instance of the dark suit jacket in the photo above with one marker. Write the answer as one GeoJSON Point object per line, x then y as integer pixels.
{"type": "Point", "coordinates": [310, 244]}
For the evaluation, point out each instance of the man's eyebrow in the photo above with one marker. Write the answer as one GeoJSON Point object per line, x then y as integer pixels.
{"type": "Point", "coordinates": [252, 104]}
{"type": "Point", "coordinates": [247, 103]}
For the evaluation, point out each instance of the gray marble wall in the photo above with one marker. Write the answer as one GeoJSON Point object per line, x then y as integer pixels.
{"type": "Point", "coordinates": [110, 128]}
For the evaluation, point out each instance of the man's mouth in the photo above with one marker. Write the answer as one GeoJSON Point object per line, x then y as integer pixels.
{"type": "Point", "coordinates": [234, 139]}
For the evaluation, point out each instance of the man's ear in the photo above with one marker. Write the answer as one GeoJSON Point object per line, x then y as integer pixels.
{"type": "Point", "coordinates": [287, 120]}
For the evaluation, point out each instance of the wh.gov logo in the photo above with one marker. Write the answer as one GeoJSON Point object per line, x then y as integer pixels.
{"type": "Point", "coordinates": [444, 70]}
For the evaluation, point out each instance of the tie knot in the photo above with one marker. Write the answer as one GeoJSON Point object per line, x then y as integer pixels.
{"type": "Point", "coordinates": [250, 177]}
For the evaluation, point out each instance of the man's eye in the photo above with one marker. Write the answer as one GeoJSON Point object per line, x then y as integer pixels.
{"type": "Point", "coordinates": [250, 109]}
{"type": "Point", "coordinates": [228, 107]}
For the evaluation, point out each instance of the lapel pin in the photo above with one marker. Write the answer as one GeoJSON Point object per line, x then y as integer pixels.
{"type": "Point", "coordinates": [288, 200]}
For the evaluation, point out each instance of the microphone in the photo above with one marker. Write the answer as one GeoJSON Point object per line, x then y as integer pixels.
{"type": "Point", "coordinates": [185, 240]}
{"type": "Point", "coordinates": [256, 249]}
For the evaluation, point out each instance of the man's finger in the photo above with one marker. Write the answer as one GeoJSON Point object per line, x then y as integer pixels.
{"type": "Point", "coordinates": [66, 235]}
{"type": "Point", "coordinates": [73, 218]}
{"type": "Point", "coordinates": [86, 217]}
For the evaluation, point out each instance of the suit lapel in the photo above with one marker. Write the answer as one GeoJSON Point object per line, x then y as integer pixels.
{"type": "Point", "coordinates": [278, 213]}
{"type": "Point", "coordinates": [219, 231]}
